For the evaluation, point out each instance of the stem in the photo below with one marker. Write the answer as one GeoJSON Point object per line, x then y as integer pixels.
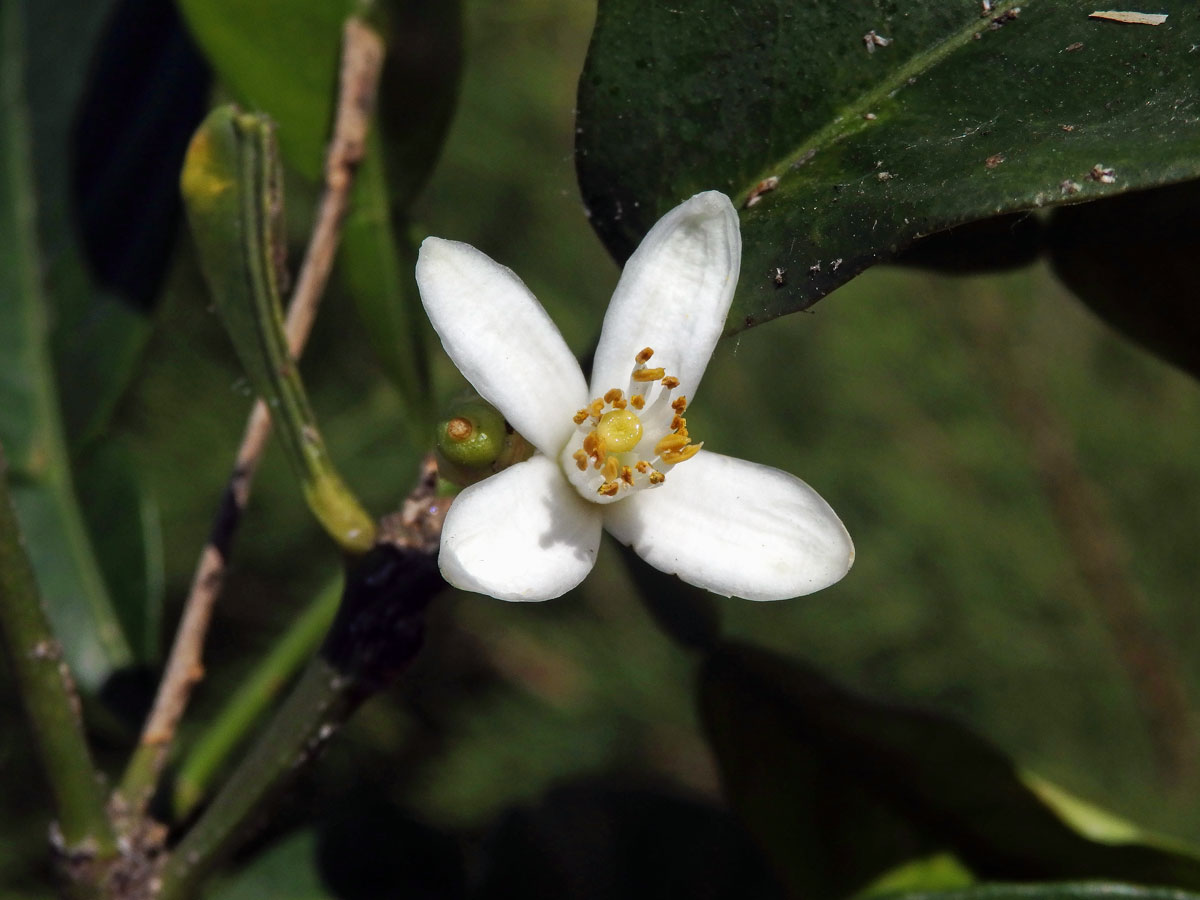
{"type": "Point", "coordinates": [48, 691]}
{"type": "Point", "coordinates": [319, 703]}
{"type": "Point", "coordinates": [377, 632]}
{"type": "Point", "coordinates": [250, 701]}
{"type": "Point", "coordinates": [362, 55]}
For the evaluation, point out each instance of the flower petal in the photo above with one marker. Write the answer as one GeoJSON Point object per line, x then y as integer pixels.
{"type": "Point", "coordinates": [502, 340]}
{"type": "Point", "coordinates": [674, 295]}
{"type": "Point", "coordinates": [735, 528]}
{"type": "Point", "coordinates": [522, 534]}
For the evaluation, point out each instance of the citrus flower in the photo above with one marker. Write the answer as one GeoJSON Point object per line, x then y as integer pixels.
{"type": "Point", "coordinates": [619, 456]}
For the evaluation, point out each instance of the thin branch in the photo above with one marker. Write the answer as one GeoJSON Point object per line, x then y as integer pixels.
{"type": "Point", "coordinates": [362, 61]}
{"type": "Point", "coordinates": [48, 692]}
{"type": "Point", "coordinates": [378, 630]}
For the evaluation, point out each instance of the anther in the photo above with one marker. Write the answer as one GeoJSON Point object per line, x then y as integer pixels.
{"type": "Point", "coordinates": [657, 477]}
{"type": "Point", "coordinates": [609, 489]}
{"type": "Point", "coordinates": [595, 408]}
{"type": "Point", "coordinates": [670, 382]}
{"type": "Point", "coordinates": [648, 374]}
{"type": "Point", "coordinates": [612, 468]}
{"type": "Point", "coordinates": [637, 401]}
{"type": "Point", "coordinates": [613, 396]}
{"type": "Point", "coordinates": [581, 459]}
{"type": "Point", "coordinates": [679, 404]}
{"type": "Point", "coordinates": [670, 444]}
{"type": "Point", "coordinates": [627, 475]}
{"type": "Point", "coordinates": [644, 357]}
{"type": "Point", "coordinates": [677, 456]}
{"type": "Point", "coordinates": [580, 417]}
{"type": "Point", "coordinates": [642, 466]}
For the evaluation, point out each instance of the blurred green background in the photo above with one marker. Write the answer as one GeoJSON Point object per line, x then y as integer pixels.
{"type": "Point", "coordinates": [940, 416]}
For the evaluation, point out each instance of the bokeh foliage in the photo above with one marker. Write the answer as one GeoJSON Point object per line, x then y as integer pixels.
{"type": "Point", "coordinates": [897, 398]}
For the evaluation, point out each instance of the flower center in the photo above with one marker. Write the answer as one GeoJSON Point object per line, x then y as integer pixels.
{"type": "Point", "coordinates": [629, 443]}
{"type": "Point", "coordinates": [619, 430]}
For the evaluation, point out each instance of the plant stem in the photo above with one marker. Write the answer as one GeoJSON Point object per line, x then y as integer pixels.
{"type": "Point", "coordinates": [362, 56]}
{"type": "Point", "coordinates": [246, 707]}
{"type": "Point", "coordinates": [48, 692]}
{"type": "Point", "coordinates": [378, 630]}
{"type": "Point", "coordinates": [318, 704]}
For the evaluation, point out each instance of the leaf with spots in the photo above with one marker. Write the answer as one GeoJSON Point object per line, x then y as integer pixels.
{"type": "Point", "coordinates": [845, 131]}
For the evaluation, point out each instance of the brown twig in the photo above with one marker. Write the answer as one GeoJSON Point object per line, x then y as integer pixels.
{"type": "Point", "coordinates": [362, 61]}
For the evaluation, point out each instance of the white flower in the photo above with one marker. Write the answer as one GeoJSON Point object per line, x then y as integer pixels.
{"type": "Point", "coordinates": [619, 456]}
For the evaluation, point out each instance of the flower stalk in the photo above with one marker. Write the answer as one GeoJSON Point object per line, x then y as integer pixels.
{"type": "Point", "coordinates": [48, 692]}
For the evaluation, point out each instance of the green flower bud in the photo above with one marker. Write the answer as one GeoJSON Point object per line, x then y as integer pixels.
{"type": "Point", "coordinates": [473, 441]}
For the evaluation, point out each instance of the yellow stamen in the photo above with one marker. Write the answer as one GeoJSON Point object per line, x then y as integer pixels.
{"type": "Point", "coordinates": [637, 401]}
{"type": "Point", "coordinates": [670, 382]}
{"type": "Point", "coordinates": [612, 468]}
{"type": "Point", "coordinates": [657, 477]}
{"type": "Point", "coordinates": [644, 356]}
{"type": "Point", "coordinates": [595, 408]}
{"type": "Point", "coordinates": [613, 395]}
{"type": "Point", "coordinates": [627, 475]}
{"type": "Point", "coordinates": [677, 456]}
{"type": "Point", "coordinates": [670, 444]}
{"type": "Point", "coordinates": [581, 417]}
{"type": "Point", "coordinates": [679, 404]}
{"type": "Point", "coordinates": [592, 447]}
{"type": "Point", "coordinates": [609, 489]}
{"type": "Point", "coordinates": [648, 374]}
{"type": "Point", "coordinates": [581, 459]}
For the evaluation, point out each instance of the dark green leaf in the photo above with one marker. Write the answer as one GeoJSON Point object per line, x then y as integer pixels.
{"type": "Point", "coordinates": [840, 788]}
{"type": "Point", "coordinates": [960, 117]}
{"type": "Point", "coordinates": [1141, 279]}
{"type": "Point", "coordinates": [109, 123]}
{"type": "Point", "coordinates": [71, 584]}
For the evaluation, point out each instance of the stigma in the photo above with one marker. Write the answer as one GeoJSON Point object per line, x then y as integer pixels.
{"type": "Point", "coordinates": [629, 439]}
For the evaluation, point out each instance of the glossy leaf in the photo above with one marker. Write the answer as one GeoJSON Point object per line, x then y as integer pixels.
{"type": "Point", "coordinates": [843, 149]}
{"type": "Point", "coordinates": [71, 584]}
{"type": "Point", "coordinates": [841, 789]}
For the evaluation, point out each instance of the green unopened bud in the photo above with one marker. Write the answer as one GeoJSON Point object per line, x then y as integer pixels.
{"type": "Point", "coordinates": [473, 442]}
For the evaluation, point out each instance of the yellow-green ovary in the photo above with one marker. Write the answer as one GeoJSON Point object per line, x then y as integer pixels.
{"type": "Point", "coordinates": [619, 430]}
